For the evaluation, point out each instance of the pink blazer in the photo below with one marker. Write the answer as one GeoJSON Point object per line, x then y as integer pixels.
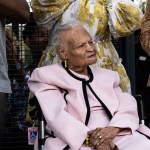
{"type": "Point", "coordinates": [63, 96]}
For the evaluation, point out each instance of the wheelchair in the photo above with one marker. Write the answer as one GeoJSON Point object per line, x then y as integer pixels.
{"type": "Point", "coordinates": [42, 122]}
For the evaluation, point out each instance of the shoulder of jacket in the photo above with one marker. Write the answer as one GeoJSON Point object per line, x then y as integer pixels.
{"type": "Point", "coordinates": [102, 70]}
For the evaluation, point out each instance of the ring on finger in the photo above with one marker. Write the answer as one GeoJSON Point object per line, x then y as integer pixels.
{"type": "Point", "coordinates": [98, 144]}
{"type": "Point", "coordinates": [100, 137]}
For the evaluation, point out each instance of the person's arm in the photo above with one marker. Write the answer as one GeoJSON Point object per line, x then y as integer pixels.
{"type": "Point", "coordinates": [145, 30]}
{"type": "Point", "coordinates": [15, 10]}
{"type": "Point", "coordinates": [126, 116]}
{"type": "Point", "coordinates": [124, 121]}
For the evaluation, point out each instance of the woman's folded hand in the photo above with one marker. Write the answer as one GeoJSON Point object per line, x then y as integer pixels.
{"type": "Point", "coordinates": [100, 136]}
{"type": "Point", "coordinates": [106, 145]}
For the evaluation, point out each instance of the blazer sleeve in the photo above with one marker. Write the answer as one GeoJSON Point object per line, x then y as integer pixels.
{"type": "Point", "coordinates": [126, 116]}
{"type": "Point", "coordinates": [145, 30]}
{"type": "Point", "coordinates": [54, 108]}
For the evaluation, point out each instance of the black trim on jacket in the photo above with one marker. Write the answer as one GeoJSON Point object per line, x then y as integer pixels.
{"type": "Point", "coordinates": [85, 83]}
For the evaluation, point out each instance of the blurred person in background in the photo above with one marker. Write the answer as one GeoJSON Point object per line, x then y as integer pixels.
{"type": "Point", "coordinates": [36, 38]}
{"type": "Point", "coordinates": [15, 11]}
{"type": "Point", "coordinates": [145, 29]}
{"type": "Point", "coordinates": [15, 65]}
{"type": "Point", "coordinates": [144, 73]}
{"type": "Point", "coordinates": [16, 101]}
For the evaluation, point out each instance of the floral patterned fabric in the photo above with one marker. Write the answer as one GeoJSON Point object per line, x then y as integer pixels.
{"type": "Point", "coordinates": [145, 30]}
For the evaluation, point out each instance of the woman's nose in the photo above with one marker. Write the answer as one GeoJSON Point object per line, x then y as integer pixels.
{"type": "Point", "coordinates": [90, 46]}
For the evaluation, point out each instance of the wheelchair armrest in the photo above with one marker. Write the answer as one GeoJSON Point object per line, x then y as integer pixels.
{"type": "Point", "coordinates": [41, 127]}
{"type": "Point", "coordinates": [140, 105]}
{"type": "Point", "coordinates": [41, 133]}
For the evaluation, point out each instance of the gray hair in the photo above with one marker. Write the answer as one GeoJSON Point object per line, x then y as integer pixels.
{"type": "Point", "coordinates": [56, 38]}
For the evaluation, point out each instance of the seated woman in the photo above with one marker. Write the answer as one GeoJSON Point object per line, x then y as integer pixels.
{"type": "Point", "coordinates": [83, 105]}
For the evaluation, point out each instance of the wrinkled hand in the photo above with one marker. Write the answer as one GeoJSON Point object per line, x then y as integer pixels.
{"type": "Point", "coordinates": [100, 135]}
{"type": "Point", "coordinates": [106, 145]}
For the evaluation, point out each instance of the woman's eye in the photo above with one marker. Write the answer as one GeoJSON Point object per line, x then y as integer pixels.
{"type": "Point", "coordinates": [82, 45]}
{"type": "Point", "coordinates": [92, 42]}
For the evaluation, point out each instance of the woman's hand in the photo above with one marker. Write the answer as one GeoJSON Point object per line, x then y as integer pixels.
{"type": "Point", "coordinates": [99, 135]}
{"type": "Point", "coordinates": [106, 145]}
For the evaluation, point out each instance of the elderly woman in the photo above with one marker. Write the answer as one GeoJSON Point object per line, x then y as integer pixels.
{"type": "Point", "coordinates": [101, 18]}
{"type": "Point", "coordinates": [145, 29]}
{"type": "Point", "coordinates": [83, 105]}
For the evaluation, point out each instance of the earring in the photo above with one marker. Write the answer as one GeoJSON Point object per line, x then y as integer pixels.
{"type": "Point", "coordinates": [65, 63]}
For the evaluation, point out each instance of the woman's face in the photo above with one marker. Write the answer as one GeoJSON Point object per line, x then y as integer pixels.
{"type": "Point", "coordinates": [79, 49]}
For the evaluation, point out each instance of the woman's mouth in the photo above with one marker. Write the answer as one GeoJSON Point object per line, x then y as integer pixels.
{"type": "Point", "coordinates": [93, 55]}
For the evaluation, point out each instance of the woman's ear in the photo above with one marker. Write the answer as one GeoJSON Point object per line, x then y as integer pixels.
{"type": "Point", "coordinates": [62, 53]}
